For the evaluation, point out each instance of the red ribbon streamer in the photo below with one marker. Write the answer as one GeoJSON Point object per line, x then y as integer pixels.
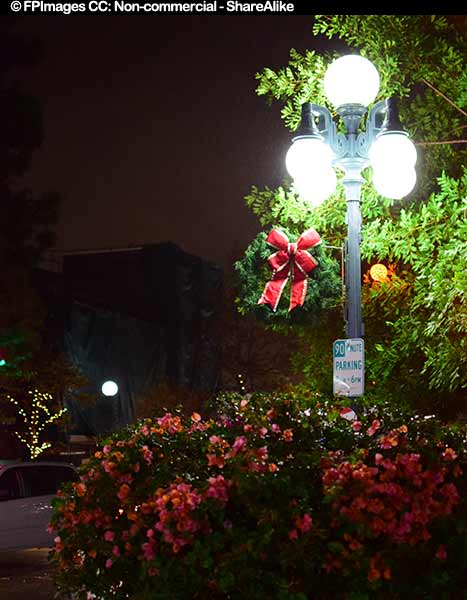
{"type": "Point", "coordinates": [289, 258]}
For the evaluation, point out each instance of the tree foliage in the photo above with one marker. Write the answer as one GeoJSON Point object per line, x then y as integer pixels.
{"type": "Point", "coordinates": [415, 322]}
{"type": "Point", "coordinates": [27, 229]}
{"type": "Point", "coordinates": [27, 219]}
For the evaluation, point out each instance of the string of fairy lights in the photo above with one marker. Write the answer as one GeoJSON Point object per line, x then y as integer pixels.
{"type": "Point", "coordinates": [36, 420]}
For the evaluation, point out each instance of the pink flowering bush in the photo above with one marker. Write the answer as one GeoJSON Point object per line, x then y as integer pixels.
{"type": "Point", "coordinates": [277, 497]}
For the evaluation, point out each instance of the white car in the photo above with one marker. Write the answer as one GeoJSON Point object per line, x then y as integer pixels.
{"type": "Point", "coordinates": [26, 492]}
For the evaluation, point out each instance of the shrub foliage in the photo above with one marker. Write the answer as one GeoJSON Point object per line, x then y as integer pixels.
{"type": "Point", "coordinates": [272, 500]}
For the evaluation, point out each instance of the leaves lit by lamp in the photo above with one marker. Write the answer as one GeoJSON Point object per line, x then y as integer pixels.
{"type": "Point", "coordinates": [379, 272]}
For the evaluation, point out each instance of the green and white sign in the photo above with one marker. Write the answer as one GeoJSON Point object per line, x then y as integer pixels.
{"type": "Point", "coordinates": [349, 367]}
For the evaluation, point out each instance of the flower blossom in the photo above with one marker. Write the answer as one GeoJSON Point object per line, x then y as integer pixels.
{"type": "Point", "coordinates": [239, 444]}
{"type": "Point", "coordinates": [449, 455]}
{"type": "Point", "coordinates": [147, 454]}
{"type": "Point", "coordinates": [293, 534]}
{"type": "Point", "coordinates": [148, 549]}
{"type": "Point", "coordinates": [441, 553]}
{"type": "Point", "coordinates": [170, 423]}
{"type": "Point", "coordinates": [109, 536]}
{"type": "Point", "coordinates": [80, 488]}
{"type": "Point", "coordinates": [218, 487]}
{"type": "Point", "coordinates": [388, 441]}
{"type": "Point", "coordinates": [215, 461]}
{"type": "Point", "coordinates": [304, 523]}
{"type": "Point", "coordinates": [123, 492]}
{"type": "Point", "coordinates": [373, 427]}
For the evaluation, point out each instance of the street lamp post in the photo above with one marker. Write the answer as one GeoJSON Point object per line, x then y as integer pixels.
{"type": "Point", "coordinates": [351, 83]}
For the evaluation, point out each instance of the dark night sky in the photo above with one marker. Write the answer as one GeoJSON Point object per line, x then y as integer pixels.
{"type": "Point", "coordinates": [153, 130]}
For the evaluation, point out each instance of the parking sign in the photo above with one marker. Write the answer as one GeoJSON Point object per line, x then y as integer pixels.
{"type": "Point", "coordinates": [349, 367]}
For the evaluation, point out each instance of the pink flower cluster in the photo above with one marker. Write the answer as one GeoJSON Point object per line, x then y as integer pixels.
{"type": "Point", "coordinates": [174, 509]}
{"type": "Point", "coordinates": [169, 516]}
{"type": "Point", "coordinates": [173, 424]}
{"type": "Point", "coordinates": [218, 488]}
{"type": "Point", "coordinates": [302, 524]}
{"type": "Point", "coordinates": [256, 459]}
{"type": "Point", "coordinates": [397, 499]}
{"type": "Point", "coordinates": [170, 423]}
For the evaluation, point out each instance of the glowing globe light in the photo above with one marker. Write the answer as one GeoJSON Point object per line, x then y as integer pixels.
{"type": "Point", "coordinates": [109, 388]}
{"type": "Point", "coordinates": [351, 79]}
{"type": "Point", "coordinates": [307, 154]}
{"type": "Point", "coordinates": [393, 148]}
{"type": "Point", "coordinates": [379, 272]}
{"type": "Point", "coordinates": [316, 187]}
{"type": "Point", "coordinates": [394, 183]}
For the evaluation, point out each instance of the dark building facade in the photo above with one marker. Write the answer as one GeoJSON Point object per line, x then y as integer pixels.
{"type": "Point", "coordinates": [135, 316]}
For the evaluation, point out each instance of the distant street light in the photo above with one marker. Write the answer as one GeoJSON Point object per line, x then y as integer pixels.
{"type": "Point", "coordinates": [109, 388]}
{"type": "Point", "coordinates": [351, 83]}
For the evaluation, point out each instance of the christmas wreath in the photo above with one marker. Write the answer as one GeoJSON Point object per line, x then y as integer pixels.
{"type": "Point", "coordinates": [268, 278]}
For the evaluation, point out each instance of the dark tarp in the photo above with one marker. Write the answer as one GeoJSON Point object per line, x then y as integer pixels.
{"type": "Point", "coordinates": [138, 317]}
{"type": "Point", "coordinates": [107, 346]}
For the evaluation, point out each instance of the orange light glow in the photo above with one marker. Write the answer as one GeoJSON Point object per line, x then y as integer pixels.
{"type": "Point", "coordinates": [379, 272]}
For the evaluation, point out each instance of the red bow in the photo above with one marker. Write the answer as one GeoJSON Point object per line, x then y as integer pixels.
{"type": "Point", "coordinates": [290, 257]}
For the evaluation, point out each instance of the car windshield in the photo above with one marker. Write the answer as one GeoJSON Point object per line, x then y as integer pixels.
{"type": "Point", "coordinates": [42, 480]}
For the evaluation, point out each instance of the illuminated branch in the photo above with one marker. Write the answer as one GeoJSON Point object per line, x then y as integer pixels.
{"type": "Point", "coordinates": [35, 421]}
{"type": "Point", "coordinates": [437, 91]}
{"type": "Point", "coordinates": [439, 143]}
